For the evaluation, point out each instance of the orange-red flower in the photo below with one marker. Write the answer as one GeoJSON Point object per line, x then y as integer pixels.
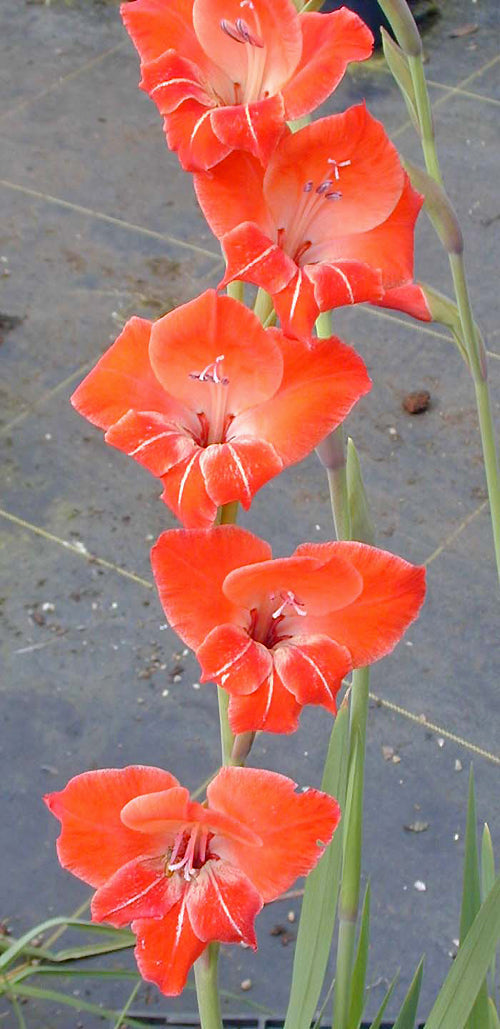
{"type": "Point", "coordinates": [214, 404]}
{"type": "Point", "coordinates": [279, 634]}
{"type": "Point", "coordinates": [329, 222]}
{"type": "Point", "coordinates": [228, 74]}
{"type": "Point", "coordinates": [185, 874]}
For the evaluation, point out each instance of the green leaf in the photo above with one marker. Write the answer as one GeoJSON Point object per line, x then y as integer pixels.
{"type": "Point", "coordinates": [458, 993]}
{"type": "Point", "coordinates": [320, 896]}
{"type": "Point", "coordinates": [403, 24]}
{"type": "Point", "coordinates": [408, 1013]}
{"type": "Point", "coordinates": [121, 1016]}
{"type": "Point", "coordinates": [471, 900]}
{"type": "Point", "coordinates": [358, 981]}
{"type": "Point", "coordinates": [17, 946]}
{"type": "Point", "coordinates": [397, 63]}
{"type": "Point", "coordinates": [380, 1013]}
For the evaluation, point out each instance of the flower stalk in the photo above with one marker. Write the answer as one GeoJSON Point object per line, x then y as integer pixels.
{"type": "Point", "coordinates": [207, 993]}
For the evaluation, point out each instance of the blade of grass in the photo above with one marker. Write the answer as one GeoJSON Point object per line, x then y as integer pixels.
{"type": "Point", "coordinates": [358, 981]}
{"type": "Point", "coordinates": [119, 1022]}
{"type": "Point", "coordinates": [471, 900]}
{"type": "Point", "coordinates": [319, 905]}
{"type": "Point", "coordinates": [487, 880]}
{"type": "Point", "coordinates": [458, 993]}
{"type": "Point", "coordinates": [17, 1010]}
{"type": "Point", "coordinates": [16, 948]}
{"type": "Point", "coordinates": [74, 1002]}
{"type": "Point", "coordinates": [408, 1013]}
{"type": "Point", "coordinates": [380, 1013]}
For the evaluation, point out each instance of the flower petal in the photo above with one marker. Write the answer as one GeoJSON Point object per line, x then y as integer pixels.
{"type": "Point", "coordinates": [189, 569]}
{"type": "Point", "coordinates": [166, 948]}
{"type": "Point", "coordinates": [256, 127]}
{"type": "Point", "coordinates": [389, 246]}
{"type": "Point", "coordinates": [164, 813]}
{"type": "Point", "coordinates": [254, 257]}
{"type": "Point", "coordinates": [392, 595]}
{"type": "Point", "coordinates": [122, 379]}
{"type": "Point", "coordinates": [152, 439]}
{"type": "Point", "coordinates": [170, 79]}
{"type": "Point", "coordinates": [294, 828]}
{"type": "Point", "coordinates": [233, 193]}
{"type": "Point", "coordinates": [370, 181]}
{"type": "Point", "coordinates": [231, 658]}
{"type": "Point", "coordinates": [222, 905]}
{"type": "Point", "coordinates": [271, 708]}
{"type": "Point", "coordinates": [185, 493]}
{"type": "Point", "coordinates": [140, 889]}
{"type": "Point", "coordinates": [312, 668]}
{"type": "Point", "coordinates": [94, 843]}
{"type": "Point", "coordinates": [322, 380]}
{"type": "Point", "coordinates": [189, 339]}
{"type": "Point", "coordinates": [320, 585]}
{"type": "Point", "coordinates": [189, 133]}
{"type": "Point", "coordinates": [237, 469]}
{"type": "Point", "coordinates": [156, 25]}
{"type": "Point", "coordinates": [330, 42]}
{"type": "Point", "coordinates": [408, 299]}
{"type": "Point", "coordinates": [274, 24]}
{"type": "Point", "coordinates": [296, 305]}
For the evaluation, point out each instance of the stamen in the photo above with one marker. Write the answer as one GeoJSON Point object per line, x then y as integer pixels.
{"type": "Point", "coordinates": [333, 196]}
{"type": "Point", "coordinates": [288, 598]}
{"type": "Point", "coordinates": [302, 250]}
{"type": "Point", "coordinates": [240, 32]}
{"type": "Point", "coordinates": [324, 186]}
{"type": "Point", "coordinates": [211, 373]}
{"type": "Point", "coordinates": [308, 186]}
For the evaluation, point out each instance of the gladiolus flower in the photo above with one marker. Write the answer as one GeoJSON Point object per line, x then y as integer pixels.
{"type": "Point", "coordinates": [228, 74]}
{"type": "Point", "coordinates": [279, 634]}
{"type": "Point", "coordinates": [329, 222]}
{"type": "Point", "coordinates": [214, 404]}
{"type": "Point", "coordinates": [186, 874]}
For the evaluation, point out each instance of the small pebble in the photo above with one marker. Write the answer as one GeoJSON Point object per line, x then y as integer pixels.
{"type": "Point", "coordinates": [246, 984]}
{"type": "Point", "coordinates": [176, 678]}
{"type": "Point", "coordinates": [196, 686]}
{"type": "Point", "coordinates": [458, 765]}
{"type": "Point", "coordinates": [417, 402]}
{"type": "Point", "coordinates": [47, 606]}
{"type": "Point", "coordinates": [440, 742]}
{"type": "Point", "coordinates": [291, 916]}
{"type": "Point", "coordinates": [165, 693]}
{"type": "Point", "coordinates": [420, 886]}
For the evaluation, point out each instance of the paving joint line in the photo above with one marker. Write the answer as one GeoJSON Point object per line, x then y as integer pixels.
{"type": "Point", "coordinates": [385, 70]}
{"type": "Point", "coordinates": [415, 326]}
{"type": "Point", "coordinates": [81, 551]}
{"type": "Point", "coordinates": [452, 536]}
{"type": "Point", "coordinates": [109, 218]}
{"type": "Point", "coordinates": [4, 429]}
{"type": "Point", "coordinates": [452, 91]}
{"type": "Point", "coordinates": [63, 79]}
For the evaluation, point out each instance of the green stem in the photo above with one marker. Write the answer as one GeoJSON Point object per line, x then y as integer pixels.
{"type": "Point", "coordinates": [263, 305]}
{"type": "Point", "coordinates": [226, 515]}
{"type": "Point", "coordinates": [236, 290]}
{"type": "Point", "coordinates": [205, 973]}
{"type": "Point", "coordinates": [475, 351]}
{"type": "Point", "coordinates": [332, 454]}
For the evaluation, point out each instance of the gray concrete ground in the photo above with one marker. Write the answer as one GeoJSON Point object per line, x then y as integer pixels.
{"type": "Point", "coordinates": [98, 222]}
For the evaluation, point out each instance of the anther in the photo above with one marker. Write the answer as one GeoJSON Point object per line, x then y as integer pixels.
{"type": "Point", "coordinates": [308, 186]}
{"type": "Point", "coordinates": [335, 195]}
{"type": "Point", "coordinates": [240, 32]}
{"type": "Point", "coordinates": [324, 186]}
